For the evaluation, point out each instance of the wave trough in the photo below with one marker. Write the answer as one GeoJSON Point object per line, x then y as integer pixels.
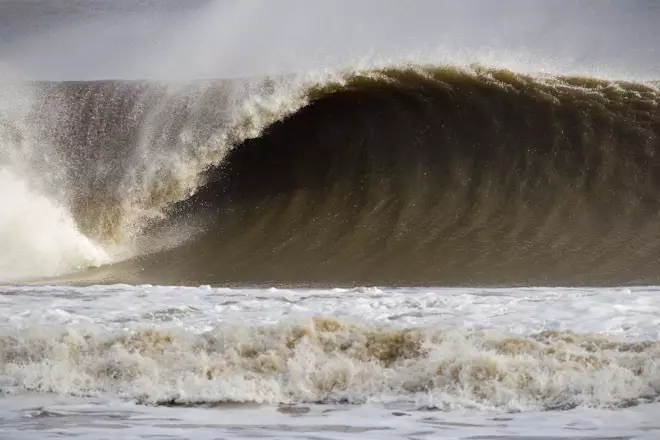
{"type": "Point", "coordinates": [409, 175]}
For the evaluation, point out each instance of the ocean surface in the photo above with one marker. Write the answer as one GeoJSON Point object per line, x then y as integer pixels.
{"type": "Point", "coordinates": [152, 145]}
{"type": "Point", "coordinates": [282, 197]}
{"type": "Point", "coordinates": [148, 362]}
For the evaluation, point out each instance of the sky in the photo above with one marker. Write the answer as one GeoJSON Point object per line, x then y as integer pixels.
{"type": "Point", "coordinates": [176, 39]}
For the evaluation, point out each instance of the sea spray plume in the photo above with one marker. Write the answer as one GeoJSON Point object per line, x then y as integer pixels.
{"type": "Point", "coordinates": [38, 234]}
{"type": "Point", "coordinates": [136, 147]}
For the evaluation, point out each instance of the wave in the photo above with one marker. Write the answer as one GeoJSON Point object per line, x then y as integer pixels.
{"type": "Point", "coordinates": [329, 361]}
{"type": "Point", "coordinates": [409, 175]}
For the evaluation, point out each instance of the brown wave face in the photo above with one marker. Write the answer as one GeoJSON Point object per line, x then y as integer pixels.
{"type": "Point", "coordinates": [412, 176]}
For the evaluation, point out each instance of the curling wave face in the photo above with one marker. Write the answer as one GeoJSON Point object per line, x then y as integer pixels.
{"type": "Point", "coordinates": [403, 176]}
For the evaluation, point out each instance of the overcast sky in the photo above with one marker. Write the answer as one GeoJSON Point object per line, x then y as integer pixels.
{"type": "Point", "coordinates": [78, 39]}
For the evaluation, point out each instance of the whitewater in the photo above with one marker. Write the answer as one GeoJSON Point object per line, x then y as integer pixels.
{"type": "Point", "coordinates": [176, 362]}
{"type": "Point", "coordinates": [229, 187]}
{"type": "Point", "coordinates": [346, 220]}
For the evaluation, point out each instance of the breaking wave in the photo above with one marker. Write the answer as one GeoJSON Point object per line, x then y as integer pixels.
{"type": "Point", "coordinates": [410, 175]}
{"type": "Point", "coordinates": [329, 361]}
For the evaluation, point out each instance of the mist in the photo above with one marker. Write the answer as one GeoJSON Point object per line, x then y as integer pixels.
{"type": "Point", "coordinates": [83, 40]}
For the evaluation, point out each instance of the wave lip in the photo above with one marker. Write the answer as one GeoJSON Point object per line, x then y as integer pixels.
{"type": "Point", "coordinates": [408, 175]}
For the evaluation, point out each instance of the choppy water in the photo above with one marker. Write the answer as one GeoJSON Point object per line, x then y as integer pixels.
{"type": "Point", "coordinates": [195, 363]}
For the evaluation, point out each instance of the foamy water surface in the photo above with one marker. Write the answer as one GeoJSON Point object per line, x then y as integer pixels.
{"type": "Point", "coordinates": [183, 363]}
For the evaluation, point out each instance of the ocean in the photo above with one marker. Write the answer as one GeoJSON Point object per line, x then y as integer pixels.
{"type": "Point", "coordinates": [419, 248]}
{"type": "Point", "coordinates": [209, 363]}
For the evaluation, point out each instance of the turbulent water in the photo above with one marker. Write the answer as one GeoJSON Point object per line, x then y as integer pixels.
{"type": "Point", "coordinates": [189, 363]}
{"type": "Point", "coordinates": [410, 175]}
{"type": "Point", "coordinates": [403, 176]}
